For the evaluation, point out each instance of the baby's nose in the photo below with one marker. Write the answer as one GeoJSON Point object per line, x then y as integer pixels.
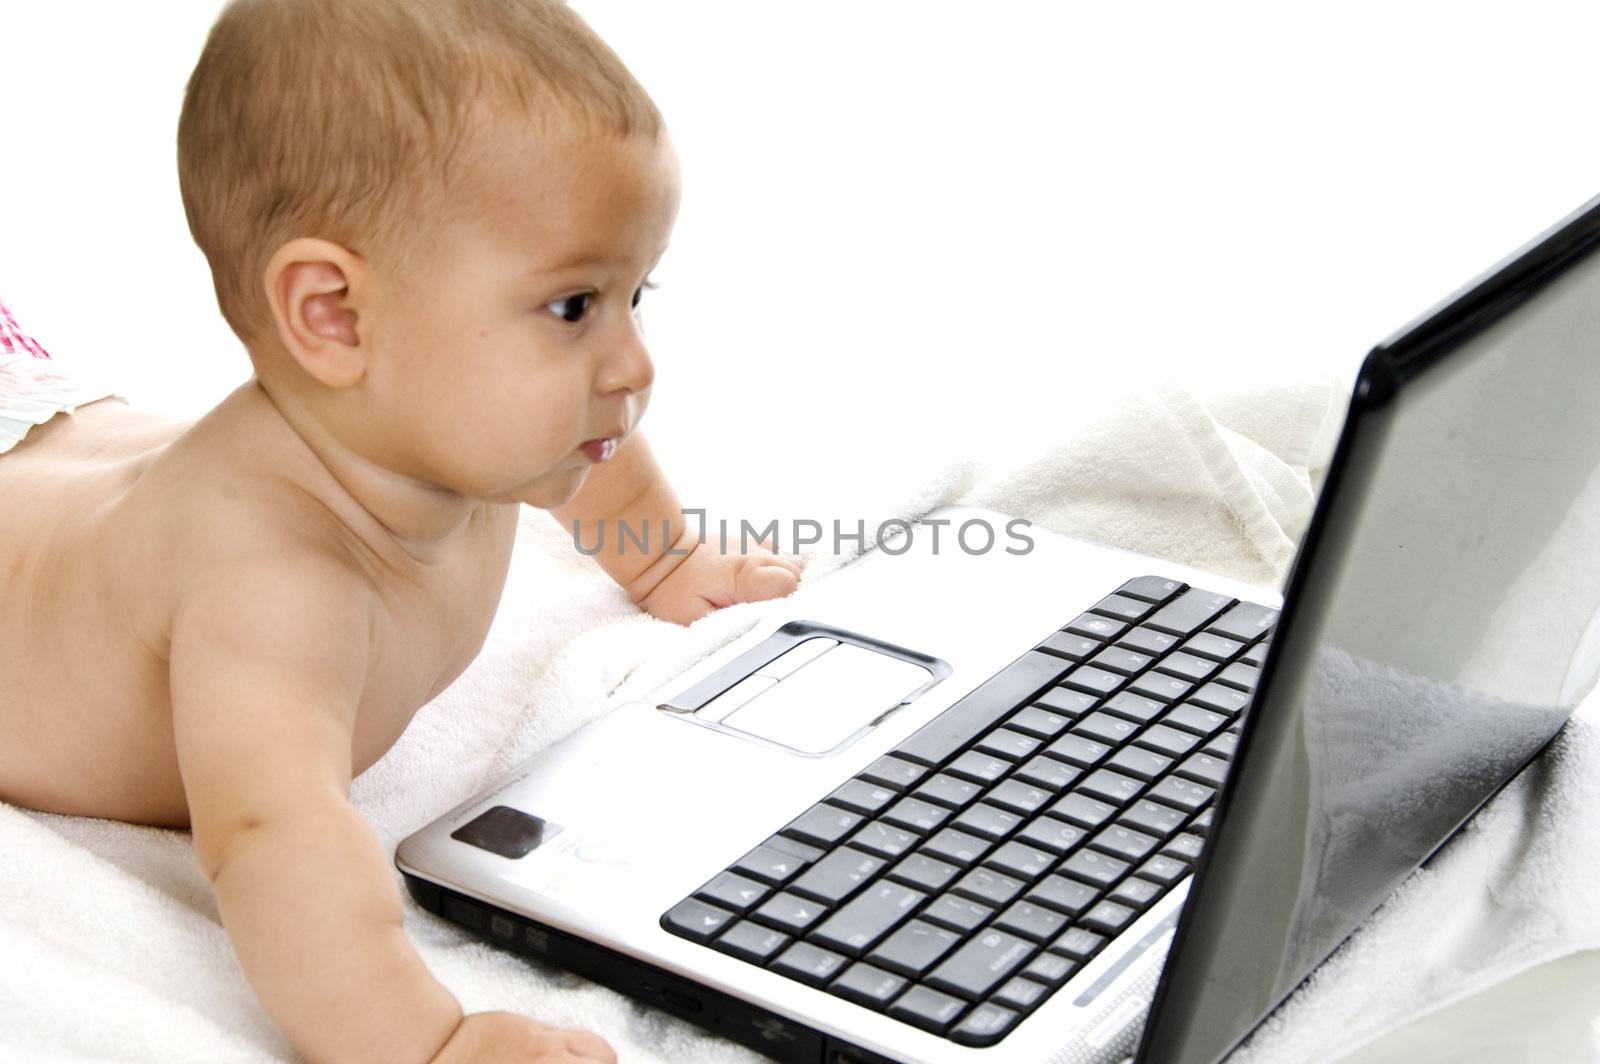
{"type": "Point", "coordinates": [628, 368]}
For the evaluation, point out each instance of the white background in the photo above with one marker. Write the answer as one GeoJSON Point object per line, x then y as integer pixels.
{"type": "Point", "coordinates": [909, 229]}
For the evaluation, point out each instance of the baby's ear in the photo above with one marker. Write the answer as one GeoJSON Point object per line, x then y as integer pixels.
{"type": "Point", "coordinates": [309, 286]}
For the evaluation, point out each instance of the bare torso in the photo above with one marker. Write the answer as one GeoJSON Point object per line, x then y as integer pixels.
{"type": "Point", "coordinates": [101, 516]}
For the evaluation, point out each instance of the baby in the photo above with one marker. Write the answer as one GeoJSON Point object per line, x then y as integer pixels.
{"type": "Point", "coordinates": [430, 222]}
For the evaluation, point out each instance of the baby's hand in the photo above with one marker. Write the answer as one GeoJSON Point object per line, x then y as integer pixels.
{"type": "Point", "coordinates": [707, 579]}
{"type": "Point", "coordinates": [506, 1038]}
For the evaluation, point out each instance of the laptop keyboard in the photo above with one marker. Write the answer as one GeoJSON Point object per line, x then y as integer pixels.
{"type": "Point", "coordinates": [961, 879]}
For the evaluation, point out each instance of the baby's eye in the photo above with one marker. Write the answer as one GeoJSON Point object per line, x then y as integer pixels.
{"type": "Point", "coordinates": [571, 308]}
{"type": "Point", "coordinates": [638, 293]}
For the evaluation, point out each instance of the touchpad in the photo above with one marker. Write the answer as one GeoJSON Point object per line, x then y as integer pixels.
{"type": "Point", "coordinates": [812, 692]}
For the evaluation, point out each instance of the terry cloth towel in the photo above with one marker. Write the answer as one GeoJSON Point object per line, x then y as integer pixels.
{"type": "Point", "coordinates": [113, 950]}
{"type": "Point", "coordinates": [32, 389]}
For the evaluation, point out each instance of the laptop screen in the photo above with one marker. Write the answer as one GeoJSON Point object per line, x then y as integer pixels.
{"type": "Point", "coordinates": [1442, 624]}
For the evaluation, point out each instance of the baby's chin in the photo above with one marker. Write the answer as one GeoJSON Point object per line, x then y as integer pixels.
{"type": "Point", "coordinates": [553, 490]}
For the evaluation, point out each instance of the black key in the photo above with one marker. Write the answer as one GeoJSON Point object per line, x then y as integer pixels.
{"type": "Point", "coordinates": [954, 911]}
{"type": "Point", "coordinates": [1068, 895]}
{"type": "Point", "coordinates": [733, 891]}
{"type": "Point", "coordinates": [1078, 943]}
{"type": "Point", "coordinates": [1169, 741]}
{"type": "Point", "coordinates": [1114, 731]}
{"type": "Point", "coordinates": [1051, 834]}
{"type": "Point", "coordinates": [1223, 745]}
{"type": "Point", "coordinates": [1094, 681]}
{"type": "Point", "coordinates": [1070, 645]}
{"type": "Point", "coordinates": [957, 847]}
{"type": "Point", "coordinates": [1151, 588]}
{"type": "Point", "coordinates": [751, 942]}
{"type": "Point", "coordinates": [1203, 768]}
{"type": "Point", "coordinates": [1153, 817]}
{"type": "Point", "coordinates": [1213, 646]}
{"type": "Point", "coordinates": [984, 1025]}
{"type": "Point", "coordinates": [1019, 797]}
{"type": "Point", "coordinates": [696, 920]}
{"type": "Point", "coordinates": [1182, 793]}
{"type": "Point", "coordinates": [769, 865]}
{"type": "Point", "coordinates": [885, 840]}
{"type": "Point", "coordinates": [1083, 810]}
{"type": "Point", "coordinates": [1021, 860]}
{"type": "Point", "coordinates": [924, 872]}
{"type": "Point", "coordinates": [1201, 824]}
{"type": "Point", "coordinates": [983, 768]}
{"type": "Point", "coordinates": [1009, 744]}
{"type": "Point", "coordinates": [990, 887]}
{"type": "Point", "coordinates": [810, 964]}
{"type": "Point", "coordinates": [1079, 749]}
{"type": "Point", "coordinates": [1018, 682]}
{"type": "Point", "coordinates": [863, 797]}
{"type": "Point", "coordinates": [1113, 787]}
{"type": "Point", "coordinates": [949, 790]}
{"type": "Point", "coordinates": [1135, 892]}
{"type": "Point", "coordinates": [1163, 870]}
{"type": "Point", "coordinates": [1031, 921]}
{"type": "Point", "coordinates": [1045, 771]}
{"type": "Point", "coordinates": [823, 824]}
{"type": "Point", "coordinates": [1063, 701]}
{"type": "Point", "coordinates": [1256, 655]}
{"type": "Point", "coordinates": [1246, 622]}
{"type": "Point", "coordinates": [789, 912]}
{"type": "Point", "coordinates": [1039, 721]}
{"type": "Point", "coordinates": [917, 814]}
{"type": "Point", "coordinates": [1189, 666]}
{"type": "Point", "coordinates": [1121, 660]}
{"type": "Point", "coordinates": [1148, 641]}
{"type": "Point", "coordinates": [1193, 718]}
{"type": "Point", "coordinates": [928, 1009]}
{"type": "Point", "coordinates": [1185, 847]}
{"type": "Point", "coordinates": [837, 875]}
{"type": "Point", "coordinates": [1126, 843]}
{"type": "Point", "coordinates": [802, 851]}
{"type": "Point", "coordinates": [1189, 612]}
{"type": "Point", "coordinates": [1093, 868]}
{"type": "Point", "coordinates": [869, 986]}
{"type": "Point", "coordinates": [987, 820]}
{"type": "Point", "coordinates": [914, 948]}
{"type": "Point", "coordinates": [1139, 762]}
{"type": "Point", "coordinates": [1229, 700]}
{"type": "Point", "coordinates": [866, 918]}
{"type": "Point", "coordinates": [982, 964]}
{"type": "Point", "coordinates": [1109, 916]}
{"type": "Point", "coordinates": [1122, 608]}
{"type": "Point", "coordinates": [891, 771]}
{"type": "Point", "coordinates": [1160, 686]}
{"type": "Point", "coordinates": [1051, 969]}
{"type": "Point", "coordinates": [1135, 707]}
{"type": "Point", "coordinates": [1096, 627]}
{"type": "Point", "coordinates": [1020, 993]}
{"type": "Point", "coordinates": [1241, 675]}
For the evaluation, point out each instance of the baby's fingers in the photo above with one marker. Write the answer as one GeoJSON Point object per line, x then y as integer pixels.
{"type": "Point", "coordinates": [766, 579]}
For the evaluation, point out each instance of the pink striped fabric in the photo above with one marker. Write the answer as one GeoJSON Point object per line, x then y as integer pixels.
{"type": "Point", "coordinates": [13, 341]}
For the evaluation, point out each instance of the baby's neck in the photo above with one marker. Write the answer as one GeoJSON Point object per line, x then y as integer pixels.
{"type": "Point", "coordinates": [386, 509]}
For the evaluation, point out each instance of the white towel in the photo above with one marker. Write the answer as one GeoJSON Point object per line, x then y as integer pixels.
{"type": "Point", "coordinates": [111, 945]}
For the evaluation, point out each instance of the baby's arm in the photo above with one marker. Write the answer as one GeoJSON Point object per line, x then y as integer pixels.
{"type": "Point", "coordinates": [678, 577]}
{"type": "Point", "coordinates": [267, 671]}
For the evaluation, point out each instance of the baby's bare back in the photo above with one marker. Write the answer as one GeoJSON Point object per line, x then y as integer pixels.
{"type": "Point", "coordinates": [103, 515]}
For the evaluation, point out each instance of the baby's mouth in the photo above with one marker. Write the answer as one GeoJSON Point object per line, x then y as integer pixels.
{"type": "Point", "coordinates": [598, 451]}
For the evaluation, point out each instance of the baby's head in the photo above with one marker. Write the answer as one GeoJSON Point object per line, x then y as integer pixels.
{"type": "Point", "coordinates": [430, 221]}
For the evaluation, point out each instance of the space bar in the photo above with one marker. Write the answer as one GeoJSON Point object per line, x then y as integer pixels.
{"type": "Point", "coordinates": [939, 739]}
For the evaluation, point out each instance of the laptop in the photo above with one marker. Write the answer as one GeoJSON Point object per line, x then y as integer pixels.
{"type": "Point", "coordinates": [1071, 804]}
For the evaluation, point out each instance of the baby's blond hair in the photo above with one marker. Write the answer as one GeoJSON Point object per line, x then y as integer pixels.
{"type": "Point", "coordinates": [340, 119]}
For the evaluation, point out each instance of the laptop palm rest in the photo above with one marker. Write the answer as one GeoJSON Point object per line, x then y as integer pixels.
{"type": "Point", "coordinates": [809, 688]}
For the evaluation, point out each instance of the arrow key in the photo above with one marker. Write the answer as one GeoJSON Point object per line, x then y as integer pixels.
{"type": "Point", "coordinates": [695, 919]}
